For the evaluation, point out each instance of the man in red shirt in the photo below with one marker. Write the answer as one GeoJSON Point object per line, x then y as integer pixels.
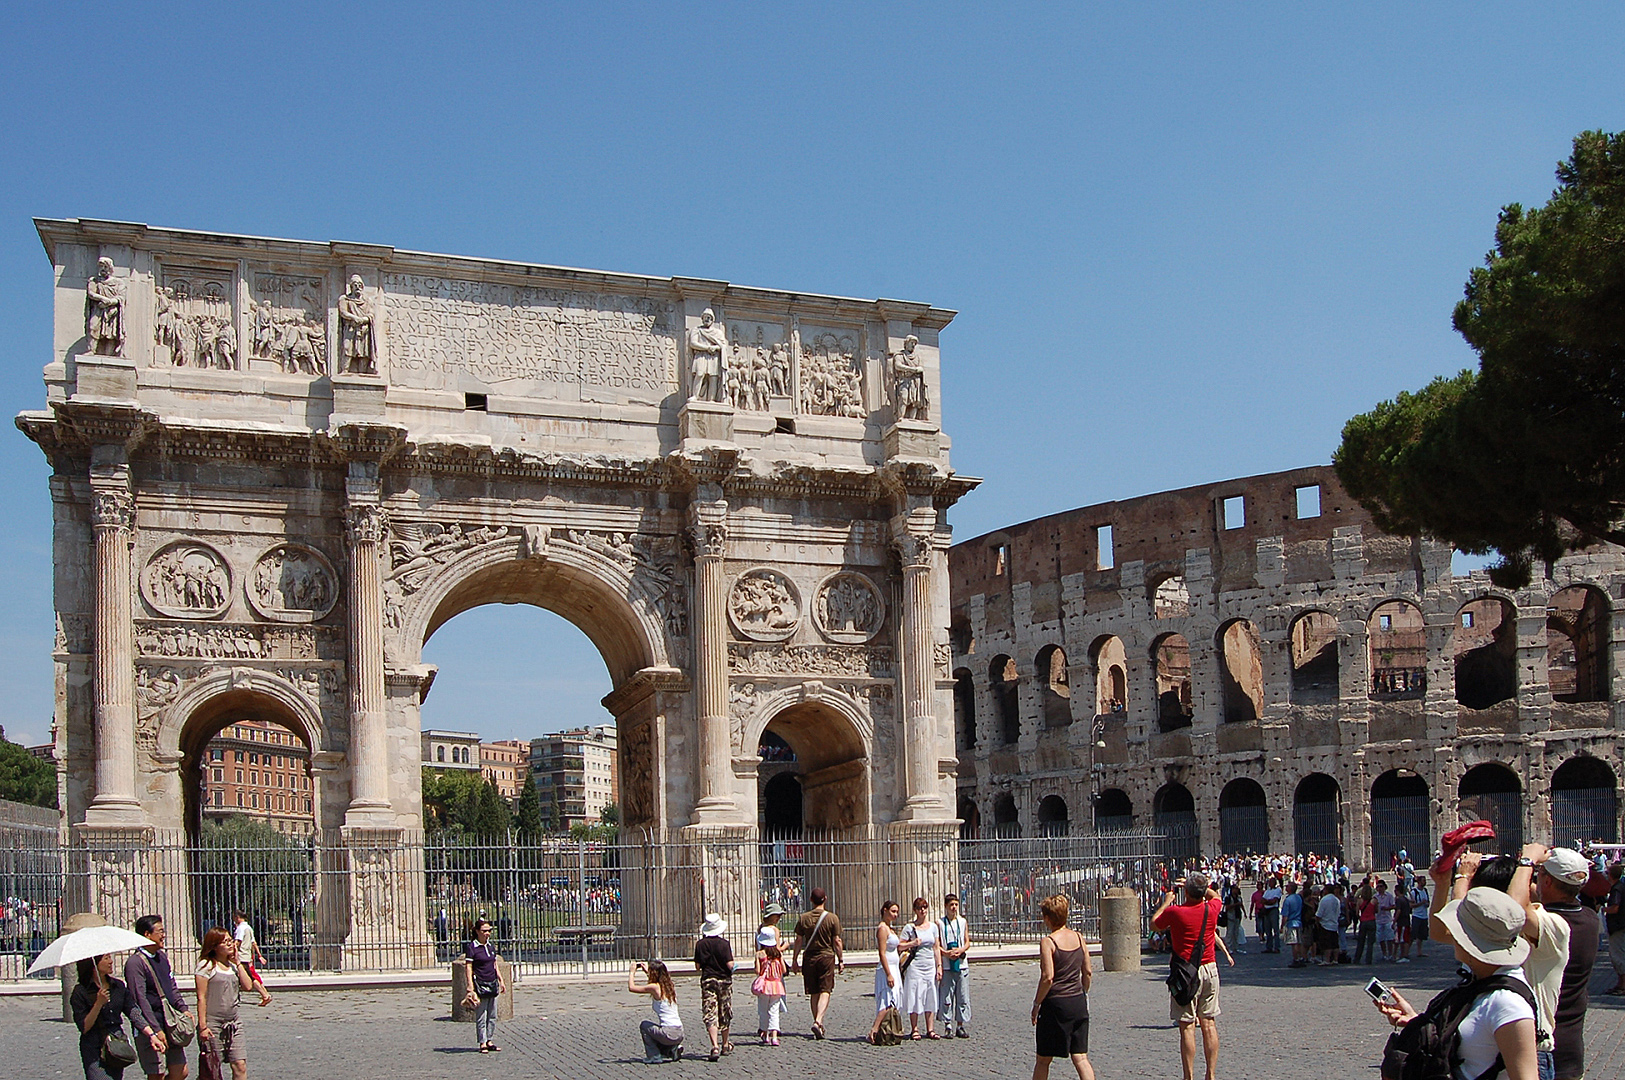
{"type": "Point", "coordinates": [1196, 902]}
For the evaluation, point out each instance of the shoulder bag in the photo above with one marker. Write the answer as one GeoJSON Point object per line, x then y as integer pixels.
{"type": "Point", "coordinates": [180, 1028]}
{"type": "Point", "coordinates": [117, 1051]}
{"type": "Point", "coordinates": [1183, 979]}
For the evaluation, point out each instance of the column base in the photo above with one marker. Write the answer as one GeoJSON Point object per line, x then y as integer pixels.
{"type": "Point", "coordinates": [716, 810]}
{"type": "Point", "coordinates": [115, 812]}
{"type": "Point", "coordinates": [369, 816]}
{"type": "Point", "coordinates": [925, 810]}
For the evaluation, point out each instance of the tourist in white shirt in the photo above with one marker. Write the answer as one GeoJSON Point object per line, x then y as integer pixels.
{"type": "Point", "coordinates": [1486, 927]}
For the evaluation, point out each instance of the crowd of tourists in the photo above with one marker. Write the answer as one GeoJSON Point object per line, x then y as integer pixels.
{"type": "Point", "coordinates": [162, 1025]}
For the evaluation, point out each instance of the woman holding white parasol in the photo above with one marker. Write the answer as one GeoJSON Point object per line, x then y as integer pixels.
{"type": "Point", "coordinates": [100, 1002]}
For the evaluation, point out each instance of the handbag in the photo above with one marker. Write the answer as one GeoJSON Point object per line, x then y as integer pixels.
{"type": "Point", "coordinates": [208, 1064]}
{"type": "Point", "coordinates": [117, 1051]}
{"type": "Point", "coordinates": [890, 1032]}
{"type": "Point", "coordinates": [1183, 979]}
{"type": "Point", "coordinates": [180, 1028]}
{"type": "Point", "coordinates": [902, 965]}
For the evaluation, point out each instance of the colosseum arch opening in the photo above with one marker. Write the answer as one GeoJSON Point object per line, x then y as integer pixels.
{"type": "Point", "coordinates": [1053, 816]}
{"type": "Point", "coordinates": [1003, 682]}
{"type": "Point", "coordinates": [1054, 691]}
{"type": "Point", "coordinates": [1577, 643]}
{"type": "Point", "coordinates": [1114, 811]}
{"type": "Point", "coordinates": [1111, 675]}
{"type": "Point", "coordinates": [1400, 816]}
{"type": "Point", "coordinates": [964, 710]}
{"type": "Point", "coordinates": [1241, 672]}
{"type": "Point", "coordinates": [1171, 657]}
{"type": "Point", "coordinates": [1397, 635]}
{"type": "Point", "coordinates": [1485, 643]}
{"type": "Point", "coordinates": [1317, 816]}
{"type": "Point", "coordinates": [1244, 821]}
{"type": "Point", "coordinates": [1312, 643]}
{"type": "Point", "coordinates": [1173, 812]}
{"type": "Point", "coordinates": [1492, 792]}
{"type": "Point", "coordinates": [1585, 802]}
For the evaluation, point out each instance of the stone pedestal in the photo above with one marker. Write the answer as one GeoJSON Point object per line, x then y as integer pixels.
{"type": "Point", "coordinates": [706, 421]}
{"type": "Point", "coordinates": [389, 927]}
{"type": "Point", "coordinates": [924, 861]}
{"type": "Point", "coordinates": [912, 439]}
{"type": "Point", "coordinates": [1120, 930]}
{"type": "Point", "coordinates": [461, 979]}
{"type": "Point", "coordinates": [103, 378]}
{"type": "Point", "coordinates": [357, 397]}
{"type": "Point", "coordinates": [725, 867]}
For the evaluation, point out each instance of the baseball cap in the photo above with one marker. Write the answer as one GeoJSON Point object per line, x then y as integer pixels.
{"type": "Point", "coordinates": [1567, 866]}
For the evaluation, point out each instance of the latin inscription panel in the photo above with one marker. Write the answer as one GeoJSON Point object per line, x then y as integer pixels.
{"type": "Point", "coordinates": [453, 334]}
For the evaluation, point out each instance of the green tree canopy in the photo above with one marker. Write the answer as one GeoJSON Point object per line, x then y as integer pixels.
{"type": "Point", "coordinates": [25, 778]}
{"type": "Point", "coordinates": [1526, 456]}
{"type": "Point", "coordinates": [527, 814]}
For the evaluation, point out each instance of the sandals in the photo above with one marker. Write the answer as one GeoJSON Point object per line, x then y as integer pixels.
{"type": "Point", "coordinates": [932, 1035]}
{"type": "Point", "coordinates": [818, 1031]}
{"type": "Point", "coordinates": [915, 1036]}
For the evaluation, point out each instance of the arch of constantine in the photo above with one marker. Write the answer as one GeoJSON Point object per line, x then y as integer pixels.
{"type": "Point", "coordinates": [1252, 665]}
{"type": "Point", "coordinates": [279, 466]}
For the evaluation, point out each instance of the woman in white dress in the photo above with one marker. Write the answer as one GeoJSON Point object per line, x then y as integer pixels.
{"type": "Point", "coordinates": [886, 972]}
{"type": "Point", "coordinates": [924, 971]}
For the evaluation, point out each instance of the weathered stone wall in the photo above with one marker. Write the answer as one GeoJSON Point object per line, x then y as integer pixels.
{"type": "Point", "coordinates": [1284, 618]}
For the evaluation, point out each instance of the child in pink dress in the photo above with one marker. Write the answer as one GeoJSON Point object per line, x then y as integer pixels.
{"type": "Point", "coordinates": [769, 991]}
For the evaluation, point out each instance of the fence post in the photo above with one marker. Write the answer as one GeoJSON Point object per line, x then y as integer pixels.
{"type": "Point", "coordinates": [581, 899]}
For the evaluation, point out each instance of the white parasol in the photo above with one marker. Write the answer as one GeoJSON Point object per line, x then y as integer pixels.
{"type": "Point", "coordinates": [83, 944]}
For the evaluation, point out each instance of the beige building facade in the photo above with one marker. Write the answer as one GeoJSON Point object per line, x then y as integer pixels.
{"type": "Point", "coordinates": [503, 764]}
{"type": "Point", "coordinates": [279, 466]}
{"type": "Point", "coordinates": [575, 774]}
{"type": "Point", "coordinates": [1253, 665]}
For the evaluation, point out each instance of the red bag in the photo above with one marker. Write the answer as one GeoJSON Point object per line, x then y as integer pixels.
{"type": "Point", "coordinates": [1454, 842]}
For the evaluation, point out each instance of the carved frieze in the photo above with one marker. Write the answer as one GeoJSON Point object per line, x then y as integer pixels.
{"type": "Point", "coordinates": [293, 583]}
{"type": "Point", "coordinates": [599, 346]}
{"type": "Point", "coordinates": [227, 641]}
{"type": "Point", "coordinates": [155, 689]}
{"type": "Point", "coordinates": [942, 658]}
{"type": "Point", "coordinates": [637, 773]}
{"type": "Point", "coordinates": [853, 661]}
{"type": "Point", "coordinates": [187, 580]}
{"type": "Point", "coordinates": [193, 322]}
{"type": "Point", "coordinates": [288, 322]}
{"type": "Point", "coordinates": [758, 366]}
{"type": "Point", "coordinates": [848, 608]}
{"type": "Point", "coordinates": [764, 605]}
{"type": "Point", "coordinates": [831, 374]}
{"type": "Point", "coordinates": [418, 548]}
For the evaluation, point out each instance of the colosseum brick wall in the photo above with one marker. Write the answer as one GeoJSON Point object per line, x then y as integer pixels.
{"type": "Point", "coordinates": [1253, 665]}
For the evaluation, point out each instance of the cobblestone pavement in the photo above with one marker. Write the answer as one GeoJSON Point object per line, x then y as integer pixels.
{"type": "Point", "coordinates": [1273, 1019]}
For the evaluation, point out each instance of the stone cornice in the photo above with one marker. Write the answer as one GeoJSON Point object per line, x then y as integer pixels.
{"type": "Point", "coordinates": [727, 468]}
{"type": "Point", "coordinates": [215, 247]}
{"type": "Point", "coordinates": [645, 682]}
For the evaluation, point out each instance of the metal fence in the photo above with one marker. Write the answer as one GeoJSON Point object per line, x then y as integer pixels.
{"type": "Point", "coordinates": [559, 904]}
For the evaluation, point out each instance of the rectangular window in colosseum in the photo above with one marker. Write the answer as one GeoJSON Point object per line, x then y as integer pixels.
{"type": "Point", "coordinates": [1105, 557]}
{"type": "Point", "coordinates": [1235, 512]}
{"type": "Point", "coordinates": [1308, 502]}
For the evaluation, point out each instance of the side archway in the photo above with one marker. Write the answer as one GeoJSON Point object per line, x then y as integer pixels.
{"type": "Point", "coordinates": [1053, 816]}
{"type": "Point", "coordinates": [1114, 811]}
{"type": "Point", "coordinates": [1312, 638]}
{"type": "Point", "coordinates": [1173, 812]}
{"type": "Point", "coordinates": [1400, 818]}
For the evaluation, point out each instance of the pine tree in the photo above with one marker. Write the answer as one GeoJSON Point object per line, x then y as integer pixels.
{"type": "Point", "coordinates": [528, 811]}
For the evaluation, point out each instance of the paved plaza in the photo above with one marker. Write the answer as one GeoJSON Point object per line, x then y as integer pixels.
{"type": "Point", "coordinates": [1275, 1022]}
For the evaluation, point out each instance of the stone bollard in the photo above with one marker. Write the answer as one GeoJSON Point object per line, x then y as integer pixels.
{"type": "Point", "coordinates": [461, 980]}
{"type": "Point", "coordinates": [70, 972]}
{"type": "Point", "coordinates": [1120, 930]}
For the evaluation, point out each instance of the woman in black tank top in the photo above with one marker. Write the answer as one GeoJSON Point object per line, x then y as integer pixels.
{"type": "Point", "coordinates": [1061, 1006]}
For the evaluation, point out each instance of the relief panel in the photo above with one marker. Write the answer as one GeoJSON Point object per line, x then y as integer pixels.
{"type": "Point", "coordinates": [293, 583]}
{"type": "Point", "coordinates": [848, 608]}
{"type": "Point", "coordinates": [287, 323]}
{"type": "Point", "coordinates": [764, 605]}
{"type": "Point", "coordinates": [759, 367]}
{"type": "Point", "coordinates": [187, 580]}
{"type": "Point", "coordinates": [194, 321]}
{"type": "Point", "coordinates": [831, 379]}
{"type": "Point", "coordinates": [548, 343]}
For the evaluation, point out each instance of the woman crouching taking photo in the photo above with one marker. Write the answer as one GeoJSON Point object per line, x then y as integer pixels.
{"type": "Point", "coordinates": [662, 1036]}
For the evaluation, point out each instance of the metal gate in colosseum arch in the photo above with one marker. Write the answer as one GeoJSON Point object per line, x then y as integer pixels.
{"type": "Point", "coordinates": [280, 466]}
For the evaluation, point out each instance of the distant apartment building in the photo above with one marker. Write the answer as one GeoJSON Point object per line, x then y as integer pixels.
{"type": "Point", "coordinates": [503, 763]}
{"type": "Point", "coordinates": [451, 749]}
{"type": "Point", "coordinates": [262, 770]}
{"type": "Point", "coordinates": [575, 774]}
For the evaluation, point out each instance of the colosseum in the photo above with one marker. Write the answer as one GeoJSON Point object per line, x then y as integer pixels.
{"type": "Point", "coordinates": [1253, 665]}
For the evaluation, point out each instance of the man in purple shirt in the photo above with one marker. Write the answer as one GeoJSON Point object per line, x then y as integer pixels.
{"type": "Point", "coordinates": [151, 981]}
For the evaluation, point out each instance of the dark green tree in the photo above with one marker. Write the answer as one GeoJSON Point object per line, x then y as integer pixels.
{"type": "Point", "coordinates": [479, 810]}
{"type": "Point", "coordinates": [610, 814]}
{"type": "Point", "coordinates": [527, 814]}
{"type": "Point", "coordinates": [1526, 456]}
{"type": "Point", "coordinates": [25, 778]}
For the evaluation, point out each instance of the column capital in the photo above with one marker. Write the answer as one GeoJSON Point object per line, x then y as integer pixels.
{"type": "Point", "coordinates": [112, 506]}
{"type": "Point", "coordinates": [364, 523]}
{"type": "Point", "coordinates": [708, 528]}
{"type": "Point", "coordinates": [914, 536]}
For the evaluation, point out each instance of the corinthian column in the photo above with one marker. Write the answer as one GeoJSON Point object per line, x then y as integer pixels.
{"type": "Point", "coordinates": [369, 738]}
{"type": "Point", "coordinates": [113, 667]}
{"type": "Point", "coordinates": [914, 540]}
{"type": "Point", "coordinates": [708, 527]}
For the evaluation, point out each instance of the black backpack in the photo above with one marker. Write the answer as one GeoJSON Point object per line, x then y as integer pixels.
{"type": "Point", "coordinates": [1428, 1047]}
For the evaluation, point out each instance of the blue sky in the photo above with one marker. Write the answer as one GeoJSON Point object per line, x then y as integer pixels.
{"type": "Point", "coordinates": [1186, 241]}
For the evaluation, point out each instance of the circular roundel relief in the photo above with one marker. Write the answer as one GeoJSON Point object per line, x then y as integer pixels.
{"type": "Point", "coordinates": [293, 583]}
{"type": "Point", "coordinates": [848, 608]}
{"type": "Point", "coordinates": [764, 605]}
{"type": "Point", "coordinates": [187, 580]}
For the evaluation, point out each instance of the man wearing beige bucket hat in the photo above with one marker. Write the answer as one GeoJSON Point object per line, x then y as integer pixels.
{"type": "Point", "coordinates": [1486, 926]}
